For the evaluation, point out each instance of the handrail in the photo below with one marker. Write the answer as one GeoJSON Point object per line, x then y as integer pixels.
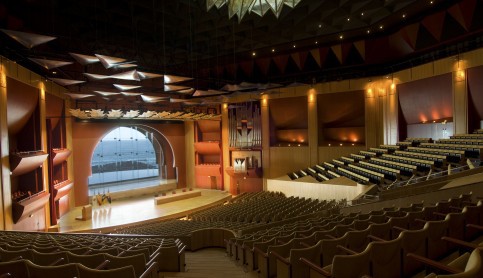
{"type": "Point", "coordinates": [315, 267]}
{"type": "Point", "coordinates": [280, 257]}
{"type": "Point", "coordinates": [432, 263]}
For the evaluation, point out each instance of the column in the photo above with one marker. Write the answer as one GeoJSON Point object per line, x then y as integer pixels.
{"type": "Point", "coordinates": [460, 102]}
{"type": "Point", "coordinates": [43, 143]}
{"type": "Point", "coordinates": [6, 222]}
{"type": "Point", "coordinates": [265, 119]}
{"type": "Point", "coordinates": [225, 146]}
{"type": "Point", "coordinates": [390, 115]}
{"type": "Point", "coordinates": [189, 139]}
{"type": "Point", "coordinates": [70, 146]}
{"type": "Point", "coordinates": [313, 127]}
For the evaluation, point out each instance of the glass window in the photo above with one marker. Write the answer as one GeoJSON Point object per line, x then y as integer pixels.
{"type": "Point", "coordinates": [124, 159]}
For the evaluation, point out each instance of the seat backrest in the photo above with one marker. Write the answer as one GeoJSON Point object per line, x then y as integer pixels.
{"type": "Point", "coordinates": [351, 265]}
{"type": "Point", "coordinates": [40, 258]}
{"type": "Point", "coordinates": [8, 255]}
{"type": "Point", "coordinates": [58, 271]}
{"type": "Point", "coordinates": [16, 268]}
{"type": "Point", "coordinates": [437, 248]}
{"type": "Point", "coordinates": [138, 262]}
{"type": "Point", "coordinates": [386, 258]}
{"type": "Point", "coordinates": [329, 249]}
{"type": "Point", "coordinates": [413, 242]}
{"type": "Point", "coordinates": [121, 272]}
{"type": "Point", "coordinates": [357, 240]}
{"type": "Point", "coordinates": [91, 261]}
{"type": "Point", "coordinates": [381, 230]}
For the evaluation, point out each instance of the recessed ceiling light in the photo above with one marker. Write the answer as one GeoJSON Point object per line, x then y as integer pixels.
{"type": "Point", "coordinates": [294, 46]}
{"type": "Point", "coordinates": [431, 2]}
{"type": "Point", "coordinates": [341, 37]}
{"type": "Point", "coordinates": [253, 53]}
{"type": "Point", "coordinates": [316, 42]}
{"type": "Point", "coordinates": [348, 19]}
{"type": "Point", "coordinates": [380, 27]}
{"type": "Point", "coordinates": [362, 14]}
{"type": "Point", "coordinates": [320, 25]}
{"type": "Point", "coordinates": [368, 31]}
{"type": "Point", "coordinates": [404, 15]}
{"type": "Point", "coordinates": [273, 49]}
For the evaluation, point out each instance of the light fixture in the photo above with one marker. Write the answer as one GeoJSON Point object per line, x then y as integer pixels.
{"type": "Point", "coordinates": [260, 7]}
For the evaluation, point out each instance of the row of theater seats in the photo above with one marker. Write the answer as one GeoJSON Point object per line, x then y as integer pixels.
{"type": "Point", "coordinates": [29, 254]}
{"type": "Point", "coordinates": [389, 164]}
{"type": "Point", "coordinates": [245, 212]}
{"type": "Point", "coordinates": [266, 207]}
{"type": "Point", "coordinates": [394, 242]}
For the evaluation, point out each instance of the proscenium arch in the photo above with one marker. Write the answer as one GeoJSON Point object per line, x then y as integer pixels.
{"type": "Point", "coordinates": [169, 157]}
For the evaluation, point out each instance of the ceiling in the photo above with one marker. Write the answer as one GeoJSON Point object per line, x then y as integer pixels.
{"type": "Point", "coordinates": [317, 41]}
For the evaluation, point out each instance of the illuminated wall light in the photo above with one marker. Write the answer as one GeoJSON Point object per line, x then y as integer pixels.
{"type": "Point", "coordinates": [225, 105]}
{"type": "Point", "coordinates": [393, 86]}
{"type": "Point", "coordinates": [329, 145]}
{"type": "Point", "coordinates": [368, 31]}
{"type": "Point", "coordinates": [352, 144]}
{"type": "Point", "coordinates": [294, 46]}
{"type": "Point", "coordinates": [460, 75]}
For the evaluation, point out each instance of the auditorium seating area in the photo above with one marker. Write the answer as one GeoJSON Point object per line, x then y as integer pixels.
{"type": "Point", "coordinates": [412, 241]}
{"type": "Point", "coordinates": [248, 211]}
{"type": "Point", "coordinates": [315, 240]}
{"type": "Point", "coordinates": [30, 254]}
{"type": "Point", "coordinates": [390, 166]}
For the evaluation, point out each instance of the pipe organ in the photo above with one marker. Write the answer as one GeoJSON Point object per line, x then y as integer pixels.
{"type": "Point", "coordinates": [245, 129]}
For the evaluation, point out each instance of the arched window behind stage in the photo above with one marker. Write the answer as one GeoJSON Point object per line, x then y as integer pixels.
{"type": "Point", "coordinates": [126, 158]}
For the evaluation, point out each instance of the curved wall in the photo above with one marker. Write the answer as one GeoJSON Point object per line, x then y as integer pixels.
{"type": "Point", "coordinates": [22, 100]}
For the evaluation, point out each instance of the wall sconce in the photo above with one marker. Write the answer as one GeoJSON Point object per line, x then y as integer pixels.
{"type": "Point", "coordinates": [460, 75]}
{"type": "Point", "coordinates": [225, 105]}
{"type": "Point", "coordinates": [369, 93]}
{"type": "Point", "coordinates": [382, 92]}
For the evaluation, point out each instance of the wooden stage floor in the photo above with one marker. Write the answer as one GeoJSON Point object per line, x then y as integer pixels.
{"type": "Point", "coordinates": [123, 212]}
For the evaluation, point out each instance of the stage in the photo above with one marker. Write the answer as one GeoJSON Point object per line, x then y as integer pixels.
{"type": "Point", "coordinates": [136, 210]}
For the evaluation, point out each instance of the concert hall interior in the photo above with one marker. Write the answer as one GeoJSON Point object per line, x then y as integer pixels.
{"type": "Point", "coordinates": [250, 138]}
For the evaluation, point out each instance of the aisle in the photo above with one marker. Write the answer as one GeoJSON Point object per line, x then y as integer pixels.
{"type": "Point", "coordinates": [210, 263]}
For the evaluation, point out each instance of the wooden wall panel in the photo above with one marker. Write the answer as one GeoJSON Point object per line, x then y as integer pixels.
{"type": "Point", "coordinates": [327, 153]}
{"type": "Point", "coordinates": [287, 159]}
{"type": "Point", "coordinates": [427, 99]}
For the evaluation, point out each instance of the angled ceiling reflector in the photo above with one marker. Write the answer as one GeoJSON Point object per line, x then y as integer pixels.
{"type": "Point", "coordinates": [170, 79]}
{"type": "Point", "coordinates": [148, 75]}
{"type": "Point", "coordinates": [131, 94]}
{"type": "Point", "coordinates": [170, 88]}
{"type": "Point", "coordinates": [122, 87]}
{"type": "Point", "coordinates": [84, 59]}
{"type": "Point", "coordinates": [109, 61]}
{"type": "Point", "coordinates": [66, 82]}
{"type": "Point", "coordinates": [93, 76]}
{"type": "Point", "coordinates": [153, 99]}
{"type": "Point", "coordinates": [50, 64]}
{"type": "Point", "coordinates": [28, 40]}
{"type": "Point", "coordinates": [127, 75]}
{"type": "Point", "coordinates": [107, 94]}
{"type": "Point", "coordinates": [78, 96]}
